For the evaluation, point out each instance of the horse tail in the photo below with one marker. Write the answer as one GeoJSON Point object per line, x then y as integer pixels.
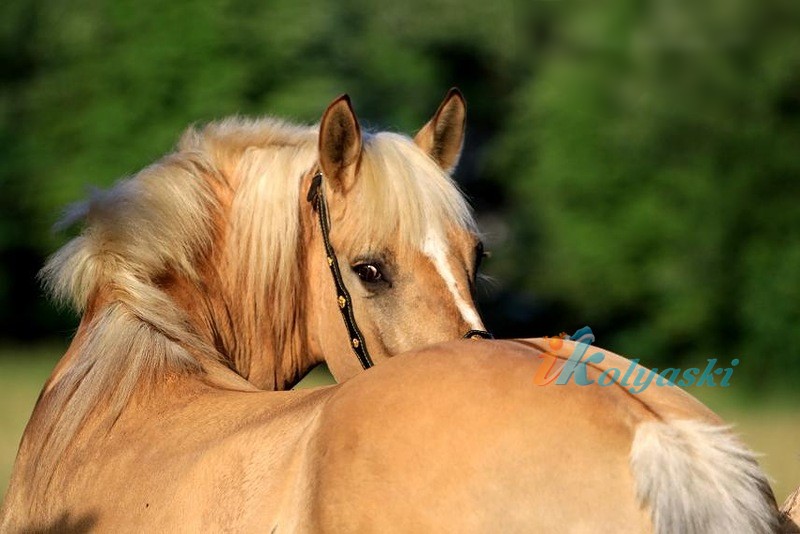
{"type": "Point", "coordinates": [698, 478]}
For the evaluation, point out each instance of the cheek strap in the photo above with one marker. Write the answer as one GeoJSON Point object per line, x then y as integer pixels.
{"type": "Point", "coordinates": [316, 196]}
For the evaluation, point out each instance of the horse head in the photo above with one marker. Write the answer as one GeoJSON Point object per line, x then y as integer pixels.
{"type": "Point", "coordinates": [214, 254]}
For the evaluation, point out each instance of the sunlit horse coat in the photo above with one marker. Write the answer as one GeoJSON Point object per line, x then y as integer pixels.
{"type": "Point", "coordinates": [204, 288]}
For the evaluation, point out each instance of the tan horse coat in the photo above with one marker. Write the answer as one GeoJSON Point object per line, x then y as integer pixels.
{"type": "Point", "coordinates": [452, 438]}
{"type": "Point", "coordinates": [203, 284]}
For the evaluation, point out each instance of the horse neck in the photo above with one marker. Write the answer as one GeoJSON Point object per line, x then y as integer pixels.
{"type": "Point", "coordinates": [227, 321]}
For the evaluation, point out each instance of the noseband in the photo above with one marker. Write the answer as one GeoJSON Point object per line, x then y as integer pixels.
{"type": "Point", "coordinates": [316, 197]}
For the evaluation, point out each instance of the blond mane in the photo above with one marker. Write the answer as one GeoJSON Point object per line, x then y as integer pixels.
{"type": "Point", "coordinates": [234, 185]}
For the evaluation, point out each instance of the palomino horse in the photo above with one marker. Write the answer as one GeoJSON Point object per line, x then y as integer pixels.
{"type": "Point", "coordinates": [204, 288]}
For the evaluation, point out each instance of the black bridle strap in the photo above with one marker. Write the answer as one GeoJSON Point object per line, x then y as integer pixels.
{"type": "Point", "coordinates": [317, 198]}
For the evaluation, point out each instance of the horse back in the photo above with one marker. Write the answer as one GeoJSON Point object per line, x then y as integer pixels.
{"type": "Point", "coordinates": [460, 435]}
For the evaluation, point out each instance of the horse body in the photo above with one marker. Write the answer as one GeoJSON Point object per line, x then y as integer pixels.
{"type": "Point", "coordinates": [204, 283]}
{"type": "Point", "coordinates": [454, 437]}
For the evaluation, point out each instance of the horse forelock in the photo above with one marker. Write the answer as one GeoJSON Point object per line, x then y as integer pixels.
{"type": "Point", "coordinates": [404, 195]}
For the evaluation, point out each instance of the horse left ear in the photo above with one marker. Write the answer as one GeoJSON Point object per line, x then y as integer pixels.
{"type": "Point", "coordinates": [443, 136]}
{"type": "Point", "coordinates": [339, 144]}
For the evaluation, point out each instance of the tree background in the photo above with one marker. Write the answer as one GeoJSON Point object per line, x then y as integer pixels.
{"type": "Point", "coordinates": [634, 164]}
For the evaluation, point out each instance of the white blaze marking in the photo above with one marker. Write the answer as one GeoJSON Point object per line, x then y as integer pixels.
{"type": "Point", "coordinates": [434, 248]}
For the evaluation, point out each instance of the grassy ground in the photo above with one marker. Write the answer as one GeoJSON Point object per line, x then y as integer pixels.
{"type": "Point", "coordinates": [22, 374]}
{"type": "Point", "coordinates": [770, 425]}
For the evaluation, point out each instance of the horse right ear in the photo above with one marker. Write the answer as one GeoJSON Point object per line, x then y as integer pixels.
{"type": "Point", "coordinates": [339, 144]}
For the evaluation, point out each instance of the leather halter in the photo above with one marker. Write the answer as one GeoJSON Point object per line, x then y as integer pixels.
{"type": "Point", "coordinates": [316, 197]}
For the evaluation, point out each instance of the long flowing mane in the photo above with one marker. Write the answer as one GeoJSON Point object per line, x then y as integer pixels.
{"type": "Point", "coordinates": [225, 205]}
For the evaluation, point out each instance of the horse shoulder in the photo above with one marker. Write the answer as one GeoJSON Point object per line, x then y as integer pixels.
{"type": "Point", "coordinates": [238, 458]}
{"type": "Point", "coordinates": [183, 459]}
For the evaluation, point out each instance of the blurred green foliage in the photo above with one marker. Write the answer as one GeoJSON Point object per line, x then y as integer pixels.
{"type": "Point", "coordinates": [636, 164]}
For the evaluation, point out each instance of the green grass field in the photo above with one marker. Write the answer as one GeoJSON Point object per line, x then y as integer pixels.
{"type": "Point", "coordinates": [770, 426]}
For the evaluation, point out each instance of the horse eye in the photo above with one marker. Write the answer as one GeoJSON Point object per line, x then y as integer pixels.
{"type": "Point", "coordinates": [368, 273]}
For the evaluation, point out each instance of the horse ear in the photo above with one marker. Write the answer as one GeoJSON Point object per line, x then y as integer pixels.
{"type": "Point", "coordinates": [443, 136]}
{"type": "Point", "coordinates": [339, 144]}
